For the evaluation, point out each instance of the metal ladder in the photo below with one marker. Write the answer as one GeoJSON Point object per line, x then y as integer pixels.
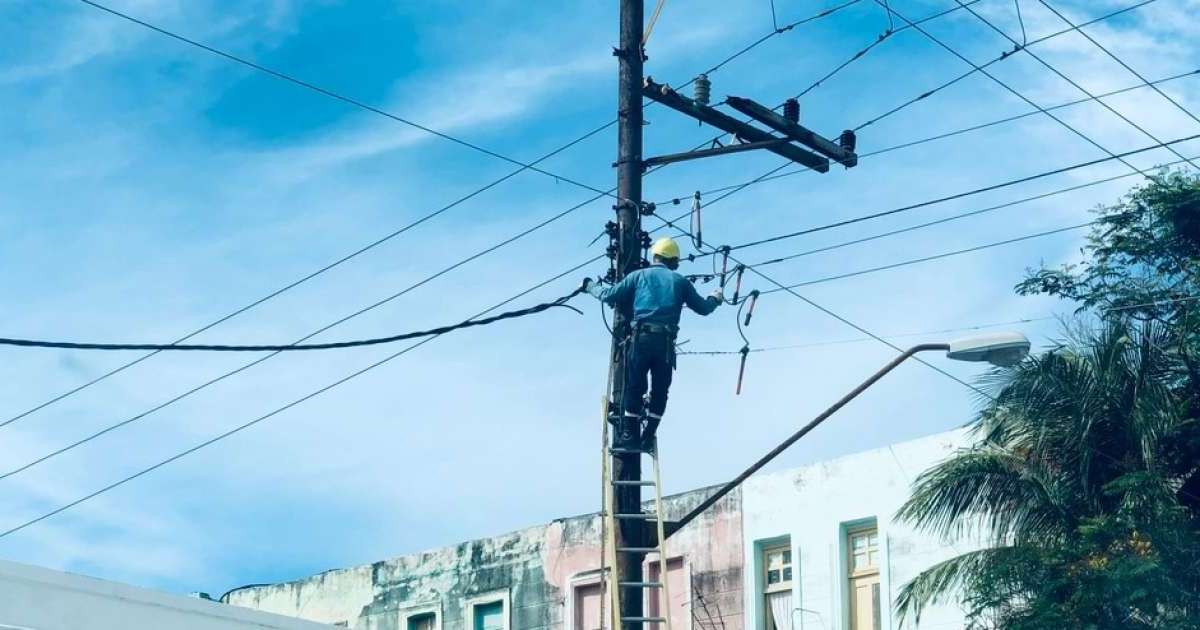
{"type": "Point", "coordinates": [609, 574]}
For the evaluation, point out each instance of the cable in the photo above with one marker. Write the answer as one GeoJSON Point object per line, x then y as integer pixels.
{"type": "Point", "coordinates": [1075, 84]}
{"type": "Point", "coordinates": [277, 411]}
{"type": "Point", "coordinates": [653, 20]}
{"type": "Point", "coordinates": [441, 330]}
{"type": "Point", "coordinates": [1014, 92]}
{"type": "Point", "coordinates": [906, 263]}
{"type": "Point", "coordinates": [244, 367]}
{"type": "Point", "coordinates": [836, 342]}
{"type": "Point", "coordinates": [339, 97]}
{"type": "Point", "coordinates": [1004, 55]}
{"type": "Point", "coordinates": [956, 217]}
{"type": "Point", "coordinates": [388, 237]}
{"type": "Point", "coordinates": [1108, 52]}
{"type": "Point", "coordinates": [950, 134]}
{"type": "Point", "coordinates": [960, 195]}
{"type": "Point", "coordinates": [1021, 19]}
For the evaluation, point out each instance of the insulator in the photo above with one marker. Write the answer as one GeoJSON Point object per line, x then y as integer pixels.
{"type": "Point", "coordinates": [848, 140]}
{"type": "Point", "coordinates": [645, 237]}
{"type": "Point", "coordinates": [702, 89]}
{"type": "Point", "coordinates": [611, 276]}
{"type": "Point", "coordinates": [611, 229]}
{"type": "Point", "coordinates": [612, 251]}
{"type": "Point", "coordinates": [791, 110]}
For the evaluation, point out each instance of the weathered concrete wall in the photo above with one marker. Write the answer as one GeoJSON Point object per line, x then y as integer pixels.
{"type": "Point", "coordinates": [537, 568]}
{"type": "Point", "coordinates": [812, 506]}
{"type": "Point", "coordinates": [33, 598]}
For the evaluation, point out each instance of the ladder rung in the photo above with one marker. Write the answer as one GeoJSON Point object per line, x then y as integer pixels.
{"type": "Point", "coordinates": [620, 450]}
{"type": "Point", "coordinates": [637, 549]}
{"type": "Point", "coordinates": [644, 619]}
{"type": "Point", "coordinates": [633, 482]}
{"type": "Point", "coordinates": [640, 515]}
{"type": "Point", "coordinates": [641, 584]}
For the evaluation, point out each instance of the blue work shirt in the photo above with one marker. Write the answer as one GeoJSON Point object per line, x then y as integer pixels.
{"type": "Point", "coordinates": [657, 295]}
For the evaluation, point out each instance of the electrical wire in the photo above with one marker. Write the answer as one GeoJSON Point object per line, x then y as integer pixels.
{"type": "Point", "coordinates": [1013, 91]}
{"type": "Point", "coordinates": [273, 413]}
{"type": "Point", "coordinates": [1004, 55]}
{"type": "Point", "coordinates": [1117, 59]}
{"type": "Point", "coordinates": [339, 97]}
{"type": "Point", "coordinates": [658, 7]}
{"type": "Point", "coordinates": [1075, 84]}
{"type": "Point", "coordinates": [1021, 20]}
{"type": "Point", "coordinates": [836, 342]}
{"type": "Point", "coordinates": [358, 343]}
{"type": "Point", "coordinates": [113, 427]}
{"type": "Point", "coordinates": [914, 261]}
{"type": "Point", "coordinates": [943, 199]}
{"type": "Point", "coordinates": [87, 384]}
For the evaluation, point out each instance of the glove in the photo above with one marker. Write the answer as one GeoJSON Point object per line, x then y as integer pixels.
{"type": "Point", "coordinates": [593, 287]}
{"type": "Point", "coordinates": [718, 294]}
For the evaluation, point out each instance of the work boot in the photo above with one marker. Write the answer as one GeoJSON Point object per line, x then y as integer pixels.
{"type": "Point", "coordinates": [649, 443]}
{"type": "Point", "coordinates": [625, 438]}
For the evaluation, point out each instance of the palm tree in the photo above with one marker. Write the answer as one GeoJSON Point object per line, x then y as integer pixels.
{"type": "Point", "coordinates": [1074, 485]}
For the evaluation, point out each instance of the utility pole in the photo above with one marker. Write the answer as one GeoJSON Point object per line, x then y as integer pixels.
{"type": "Point", "coordinates": [627, 466]}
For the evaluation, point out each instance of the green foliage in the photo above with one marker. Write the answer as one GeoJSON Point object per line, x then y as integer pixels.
{"type": "Point", "coordinates": [1085, 479]}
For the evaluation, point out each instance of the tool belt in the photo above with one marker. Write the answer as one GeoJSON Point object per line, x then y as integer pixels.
{"type": "Point", "coordinates": [656, 329]}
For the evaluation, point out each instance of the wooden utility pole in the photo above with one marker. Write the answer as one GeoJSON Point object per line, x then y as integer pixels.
{"type": "Point", "coordinates": [627, 466]}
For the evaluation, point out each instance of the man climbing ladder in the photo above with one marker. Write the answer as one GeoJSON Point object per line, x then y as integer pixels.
{"type": "Point", "coordinates": [656, 296]}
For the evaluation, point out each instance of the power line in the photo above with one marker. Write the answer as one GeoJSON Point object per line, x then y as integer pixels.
{"type": "Point", "coordinates": [837, 342]}
{"type": "Point", "coordinates": [244, 367]}
{"type": "Point", "coordinates": [959, 195]}
{"type": "Point", "coordinates": [956, 217]}
{"type": "Point", "coordinates": [340, 97]}
{"type": "Point", "coordinates": [950, 134]}
{"type": "Point", "coordinates": [1075, 84]}
{"type": "Point", "coordinates": [1108, 52]}
{"type": "Point", "coordinates": [914, 261]}
{"type": "Point", "coordinates": [1013, 91]}
{"type": "Point", "coordinates": [358, 343]}
{"type": "Point", "coordinates": [402, 230]}
{"type": "Point", "coordinates": [1004, 55]}
{"type": "Point", "coordinates": [277, 411]}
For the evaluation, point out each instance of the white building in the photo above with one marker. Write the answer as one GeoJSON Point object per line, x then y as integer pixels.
{"type": "Point", "coordinates": [32, 598]}
{"type": "Point", "coordinates": [823, 550]}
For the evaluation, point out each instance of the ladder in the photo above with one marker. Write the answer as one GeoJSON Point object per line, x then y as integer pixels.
{"type": "Point", "coordinates": [612, 581]}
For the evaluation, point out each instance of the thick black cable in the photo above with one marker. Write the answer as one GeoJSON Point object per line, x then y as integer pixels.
{"type": "Point", "coordinates": [1075, 84]}
{"type": "Point", "coordinates": [335, 345]}
{"type": "Point", "coordinates": [1011, 90]}
{"type": "Point", "coordinates": [1143, 79]}
{"type": "Point", "coordinates": [339, 97]}
{"type": "Point", "coordinates": [923, 259]}
{"type": "Point", "coordinates": [394, 234]}
{"type": "Point", "coordinates": [277, 411]}
{"type": "Point", "coordinates": [948, 134]}
{"type": "Point", "coordinates": [112, 427]}
{"type": "Point", "coordinates": [943, 199]}
{"type": "Point", "coordinates": [1004, 55]}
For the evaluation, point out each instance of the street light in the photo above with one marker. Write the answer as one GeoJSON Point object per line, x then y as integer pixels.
{"type": "Point", "coordinates": [1004, 349]}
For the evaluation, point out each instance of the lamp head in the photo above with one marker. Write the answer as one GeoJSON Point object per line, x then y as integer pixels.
{"type": "Point", "coordinates": [1002, 349]}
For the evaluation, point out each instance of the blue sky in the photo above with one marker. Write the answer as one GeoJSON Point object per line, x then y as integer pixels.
{"type": "Point", "coordinates": [151, 188]}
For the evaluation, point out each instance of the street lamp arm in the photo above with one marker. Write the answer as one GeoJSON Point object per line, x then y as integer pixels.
{"type": "Point", "coordinates": [727, 488]}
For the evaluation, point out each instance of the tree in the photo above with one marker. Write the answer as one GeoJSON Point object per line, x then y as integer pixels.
{"type": "Point", "coordinates": [1085, 480]}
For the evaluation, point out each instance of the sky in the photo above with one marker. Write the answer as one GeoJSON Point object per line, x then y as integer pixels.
{"type": "Point", "coordinates": [151, 188]}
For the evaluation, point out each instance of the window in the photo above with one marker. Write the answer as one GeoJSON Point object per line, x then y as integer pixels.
{"type": "Point", "coordinates": [679, 585]}
{"type": "Point", "coordinates": [426, 617]}
{"type": "Point", "coordinates": [862, 566]}
{"type": "Point", "coordinates": [488, 612]}
{"type": "Point", "coordinates": [777, 586]}
{"type": "Point", "coordinates": [424, 621]}
{"type": "Point", "coordinates": [585, 612]}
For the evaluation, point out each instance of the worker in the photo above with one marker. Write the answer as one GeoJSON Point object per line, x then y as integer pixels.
{"type": "Point", "coordinates": [656, 296]}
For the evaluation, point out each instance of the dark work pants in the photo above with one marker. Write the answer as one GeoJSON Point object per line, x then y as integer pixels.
{"type": "Point", "coordinates": [650, 365]}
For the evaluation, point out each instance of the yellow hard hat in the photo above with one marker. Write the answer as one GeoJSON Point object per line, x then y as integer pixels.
{"type": "Point", "coordinates": [665, 247]}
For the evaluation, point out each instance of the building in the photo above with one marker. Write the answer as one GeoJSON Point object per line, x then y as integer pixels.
{"type": "Point", "coordinates": [808, 548]}
{"type": "Point", "coordinates": [33, 598]}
